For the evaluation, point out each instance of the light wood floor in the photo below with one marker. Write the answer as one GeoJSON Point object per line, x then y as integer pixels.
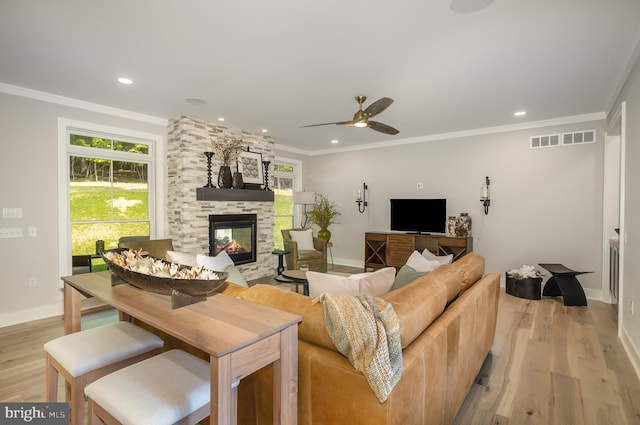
{"type": "Point", "coordinates": [554, 365]}
{"type": "Point", "coordinates": [549, 364]}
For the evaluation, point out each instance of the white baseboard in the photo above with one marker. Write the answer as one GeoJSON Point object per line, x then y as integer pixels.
{"type": "Point", "coordinates": [22, 316]}
{"type": "Point", "coordinates": [631, 350]}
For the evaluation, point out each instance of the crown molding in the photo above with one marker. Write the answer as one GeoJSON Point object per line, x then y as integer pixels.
{"type": "Point", "coordinates": [467, 133]}
{"type": "Point", "coordinates": [80, 104]}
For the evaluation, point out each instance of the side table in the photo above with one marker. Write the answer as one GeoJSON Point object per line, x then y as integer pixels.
{"type": "Point", "coordinates": [280, 253]}
{"type": "Point", "coordinates": [563, 283]}
{"type": "Point", "coordinates": [298, 277]}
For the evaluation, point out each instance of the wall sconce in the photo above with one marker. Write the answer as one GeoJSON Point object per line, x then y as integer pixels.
{"type": "Point", "coordinates": [485, 198]}
{"type": "Point", "coordinates": [304, 198]}
{"type": "Point", "coordinates": [361, 200]}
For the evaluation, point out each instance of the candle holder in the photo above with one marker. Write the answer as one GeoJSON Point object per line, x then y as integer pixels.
{"type": "Point", "coordinates": [266, 175]}
{"type": "Point", "coordinates": [209, 155]}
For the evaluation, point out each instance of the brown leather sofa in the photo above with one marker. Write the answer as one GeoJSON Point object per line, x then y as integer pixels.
{"type": "Point", "coordinates": [447, 324]}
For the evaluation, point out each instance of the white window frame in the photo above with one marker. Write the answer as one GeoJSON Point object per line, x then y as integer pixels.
{"type": "Point", "coordinates": [156, 180]}
{"type": "Point", "coordinates": [297, 184]}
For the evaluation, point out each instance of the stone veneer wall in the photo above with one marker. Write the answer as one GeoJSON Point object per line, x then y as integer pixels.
{"type": "Point", "coordinates": [188, 218]}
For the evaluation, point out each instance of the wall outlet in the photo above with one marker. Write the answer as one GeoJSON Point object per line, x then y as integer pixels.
{"type": "Point", "coordinates": [33, 282]}
{"type": "Point", "coordinates": [32, 231]}
{"type": "Point", "coordinates": [419, 185]}
{"type": "Point", "coordinates": [13, 232]}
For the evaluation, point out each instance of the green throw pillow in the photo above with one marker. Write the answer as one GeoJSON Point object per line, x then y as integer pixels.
{"type": "Point", "coordinates": [405, 276]}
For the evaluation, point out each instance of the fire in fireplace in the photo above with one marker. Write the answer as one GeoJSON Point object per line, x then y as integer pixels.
{"type": "Point", "coordinates": [235, 234]}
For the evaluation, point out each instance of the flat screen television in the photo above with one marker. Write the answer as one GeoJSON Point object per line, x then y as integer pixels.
{"type": "Point", "coordinates": [419, 215]}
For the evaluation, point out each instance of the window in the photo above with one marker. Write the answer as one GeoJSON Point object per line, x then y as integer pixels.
{"type": "Point", "coordinates": [285, 180]}
{"type": "Point", "coordinates": [109, 193]}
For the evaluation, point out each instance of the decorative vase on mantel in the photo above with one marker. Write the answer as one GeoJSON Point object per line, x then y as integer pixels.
{"type": "Point", "coordinates": [324, 234]}
{"type": "Point", "coordinates": [225, 179]}
{"type": "Point", "coordinates": [238, 181]}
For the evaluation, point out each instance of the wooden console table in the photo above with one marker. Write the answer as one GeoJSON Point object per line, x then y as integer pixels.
{"type": "Point", "coordinates": [384, 249]}
{"type": "Point", "coordinates": [240, 338]}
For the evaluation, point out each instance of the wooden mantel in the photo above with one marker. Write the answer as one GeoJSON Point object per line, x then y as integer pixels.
{"type": "Point", "coordinates": [216, 194]}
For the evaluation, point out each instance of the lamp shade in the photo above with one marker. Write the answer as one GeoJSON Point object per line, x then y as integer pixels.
{"type": "Point", "coordinates": [304, 198]}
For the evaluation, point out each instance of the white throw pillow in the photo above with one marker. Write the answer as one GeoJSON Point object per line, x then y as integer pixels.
{"type": "Point", "coordinates": [217, 264]}
{"type": "Point", "coordinates": [375, 283]}
{"type": "Point", "coordinates": [420, 264]}
{"type": "Point", "coordinates": [304, 238]}
{"type": "Point", "coordinates": [183, 258]}
{"type": "Point", "coordinates": [442, 259]}
{"type": "Point", "coordinates": [235, 276]}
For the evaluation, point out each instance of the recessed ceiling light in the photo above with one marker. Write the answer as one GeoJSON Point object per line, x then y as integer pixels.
{"type": "Point", "coordinates": [264, 130]}
{"type": "Point", "coordinates": [221, 119]}
{"type": "Point", "coordinates": [520, 113]}
{"type": "Point", "coordinates": [334, 141]}
{"type": "Point", "coordinates": [195, 101]}
{"type": "Point", "coordinates": [126, 81]}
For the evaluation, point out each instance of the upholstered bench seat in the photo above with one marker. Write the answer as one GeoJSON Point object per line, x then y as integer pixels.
{"type": "Point", "coordinates": [82, 357]}
{"type": "Point", "coordinates": [164, 389]}
{"type": "Point", "coordinates": [95, 348]}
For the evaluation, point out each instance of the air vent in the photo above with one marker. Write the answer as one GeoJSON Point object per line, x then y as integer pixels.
{"type": "Point", "coordinates": [545, 141]}
{"type": "Point", "coordinates": [579, 137]}
{"type": "Point", "coordinates": [553, 140]}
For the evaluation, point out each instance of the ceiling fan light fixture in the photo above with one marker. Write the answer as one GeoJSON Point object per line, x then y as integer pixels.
{"type": "Point", "coordinates": [360, 124]}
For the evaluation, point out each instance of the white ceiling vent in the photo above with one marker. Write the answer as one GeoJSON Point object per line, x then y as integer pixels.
{"type": "Point", "coordinates": [553, 140]}
{"type": "Point", "coordinates": [545, 141]}
{"type": "Point", "coordinates": [578, 138]}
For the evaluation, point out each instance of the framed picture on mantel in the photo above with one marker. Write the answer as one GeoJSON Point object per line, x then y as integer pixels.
{"type": "Point", "coordinates": [250, 165]}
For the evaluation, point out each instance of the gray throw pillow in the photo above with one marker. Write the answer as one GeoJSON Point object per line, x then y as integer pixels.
{"type": "Point", "coordinates": [405, 276]}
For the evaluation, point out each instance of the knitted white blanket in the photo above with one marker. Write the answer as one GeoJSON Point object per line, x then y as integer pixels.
{"type": "Point", "coordinates": [366, 330]}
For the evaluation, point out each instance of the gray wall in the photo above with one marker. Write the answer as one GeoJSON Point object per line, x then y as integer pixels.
{"type": "Point", "coordinates": [631, 274]}
{"type": "Point", "coordinates": [546, 204]}
{"type": "Point", "coordinates": [28, 173]}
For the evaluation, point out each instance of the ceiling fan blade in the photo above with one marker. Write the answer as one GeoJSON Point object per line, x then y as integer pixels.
{"type": "Point", "coordinates": [350, 123]}
{"type": "Point", "coordinates": [382, 128]}
{"type": "Point", "coordinates": [378, 106]}
{"type": "Point", "coordinates": [318, 125]}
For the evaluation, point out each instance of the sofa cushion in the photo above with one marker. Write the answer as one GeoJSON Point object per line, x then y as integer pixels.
{"type": "Point", "coordinates": [405, 275]}
{"type": "Point", "coordinates": [235, 276]}
{"type": "Point", "coordinates": [217, 263]}
{"type": "Point", "coordinates": [417, 305]}
{"type": "Point", "coordinates": [304, 238]}
{"type": "Point", "coordinates": [420, 264]}
{"type": "Point", "coordinates": [471, 269]}
{"type": "Point", "coordinates": [184, 258]}
{"type": "Point", "coordinates": [374, 283]}
{"type": "Point", "coordinates": [442, 259]}
{"type": "Point", "coordinates": [156, 248]}
{"type": "Point", "coordinates": [311, 328]}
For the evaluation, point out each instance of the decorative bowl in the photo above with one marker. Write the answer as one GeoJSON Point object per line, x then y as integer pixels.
{"type": "Point", "coordinates": [166, 285]}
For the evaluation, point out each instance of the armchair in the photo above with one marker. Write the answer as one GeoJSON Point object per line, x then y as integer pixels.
{"type": "Point", "coordinates": [316, 258]}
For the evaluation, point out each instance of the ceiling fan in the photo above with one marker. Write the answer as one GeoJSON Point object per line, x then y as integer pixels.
{"type": "Point", "coordinates": [361, 118]}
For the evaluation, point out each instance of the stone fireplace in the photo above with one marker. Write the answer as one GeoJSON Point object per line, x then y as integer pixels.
{"type": "Point", "coordinates": [188, 218]}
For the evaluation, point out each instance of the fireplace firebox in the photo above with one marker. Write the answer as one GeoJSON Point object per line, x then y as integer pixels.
{"type": "Point", "coordinates": [235, 234]}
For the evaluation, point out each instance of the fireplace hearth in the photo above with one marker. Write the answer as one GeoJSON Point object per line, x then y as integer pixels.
{"type": "Point", "coordinates": [235, 234]}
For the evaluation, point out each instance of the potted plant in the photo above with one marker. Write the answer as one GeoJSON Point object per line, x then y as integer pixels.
{"type": "Point", "coordinates": [524, 282]}
{"type": "Point", "coordinates": [323, 214]}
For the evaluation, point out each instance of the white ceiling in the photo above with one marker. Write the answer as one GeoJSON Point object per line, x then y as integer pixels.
{"type": "Point", "coordinates": [280, 64]}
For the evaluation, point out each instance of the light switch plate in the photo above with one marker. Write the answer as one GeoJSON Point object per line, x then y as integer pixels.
{"type": "Point", "coordinates": [13, 232]}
